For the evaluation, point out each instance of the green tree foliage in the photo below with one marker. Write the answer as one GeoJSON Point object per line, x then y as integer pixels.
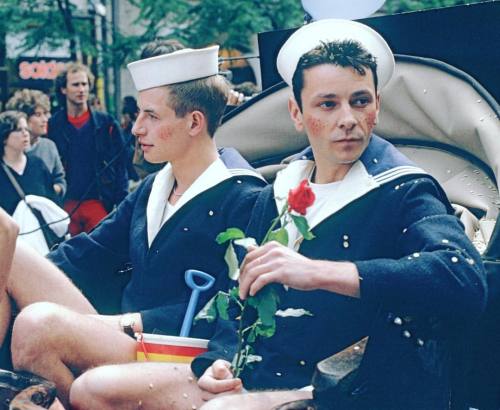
{"type": "Point", "coordinates": [197, 23]}
{"type": "Point", "coordinates": [400, 6]}
{"type": "Point", "coordinates": [230, 23]}
{"type": "Point", "coordinates": [49, 22]}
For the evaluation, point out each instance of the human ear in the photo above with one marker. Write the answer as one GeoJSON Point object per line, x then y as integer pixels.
{"type": "Point", "coordinates": [295, 114]}
{"type": "Point", "coordinates": [197, 122]}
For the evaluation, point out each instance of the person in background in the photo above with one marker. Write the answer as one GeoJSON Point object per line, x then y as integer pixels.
{"type": "Point", "coordinates": [36, 105]}
{"type": "Point", "coordinates": [95, 103]}
{"type": "Point", "coordinates": [129, 115]}
{"type": "Point", "coordinates": [92, 150]}
{"type": "Point", "coordinates": [247, 88]}
{"type": "Point", "coordinates": [30, 172]}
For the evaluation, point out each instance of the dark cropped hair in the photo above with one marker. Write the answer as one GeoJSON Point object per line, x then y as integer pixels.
{"type": "Point", "coordinates": [62, 78]}
{"type": "Point", "coordinates": [207, 95]}
{"type": "Point", "coordinates": [8, 124]}
{"type": "Point", "coordinates": [347, 53]}
{"type": "Point", "coordinates": [28, 101]}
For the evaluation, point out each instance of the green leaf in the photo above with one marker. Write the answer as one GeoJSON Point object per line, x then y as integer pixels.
{"type": "Point", "coordinates": [246, 242]}
{"type": "Point", "coordinates": [229, 234]}
{"type": "Point", "coordinates": [252, 335]}
{"type": "Point", "coordinates": [280, 236]}
{"type": "Point", "coordinates": [266, 304]}
{"type": "Point", "coordinates": [209, 311]}
{"type": "Point", "coordinates": [302, 226]}
{"type": "Point", "coordinates": [222, 302]}
{"type": "Point", "coordinates": [265, 331]}
{"type": "Point", "coordinates": [232, 262]}
{"type": "Point", "coordinates": [235, 292]}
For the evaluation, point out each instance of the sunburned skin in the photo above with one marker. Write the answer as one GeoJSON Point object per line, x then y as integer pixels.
{"type": "Point", "coordinates": [371, 120]}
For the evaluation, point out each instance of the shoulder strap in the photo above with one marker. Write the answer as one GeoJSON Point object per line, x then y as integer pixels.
{"type": "Point", "coordinates": [20, 191]}
{"type": "Point", "coordinates": [13, 181]}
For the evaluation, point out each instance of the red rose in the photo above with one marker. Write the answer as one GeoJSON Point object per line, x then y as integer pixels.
{"type": "Point", "coordinates": [301, 198]}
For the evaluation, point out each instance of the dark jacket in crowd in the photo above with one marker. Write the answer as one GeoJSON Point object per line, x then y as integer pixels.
{"type": "Point", "coordinates": [107, 180]}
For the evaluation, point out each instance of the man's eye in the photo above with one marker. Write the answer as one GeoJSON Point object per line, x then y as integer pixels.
{"type": "Point", "coordinates": [361, 101]}
{"type": "Point", "coordinates": [327, 104]}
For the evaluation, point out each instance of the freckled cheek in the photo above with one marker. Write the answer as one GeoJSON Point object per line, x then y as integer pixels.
{"type": "Point", "coordinates": [315, 125]}
{"type": "Point", "coordinates": [370, 119]}
{"type": "Point", "coordinates": [164, 134]}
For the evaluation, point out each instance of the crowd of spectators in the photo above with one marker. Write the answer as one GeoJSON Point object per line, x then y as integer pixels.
{"type": "Point", "coordinates": [80, 158]}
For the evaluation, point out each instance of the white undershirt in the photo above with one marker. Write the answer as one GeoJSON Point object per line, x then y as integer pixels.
{"type": "Point", "coordinates": [168, 211]}
{"type": "Point", "coordinates": [324, 193]}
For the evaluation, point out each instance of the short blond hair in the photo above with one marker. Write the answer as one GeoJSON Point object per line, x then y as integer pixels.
{"type": "Point", "coordinates": [28, 101]}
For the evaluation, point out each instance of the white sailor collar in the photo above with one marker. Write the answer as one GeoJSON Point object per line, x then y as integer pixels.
{"type": "Point", "coordinates": [163, 183]}
{"type": "Point", "coordinates": [355, 184]}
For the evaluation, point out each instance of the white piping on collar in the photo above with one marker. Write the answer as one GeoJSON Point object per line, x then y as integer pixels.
{"type": "Point", "coordinates": [245, 172]}
{"type": "Point", "coordinates": [397, 172]}
{"type": "Point", "coordinates": [357, 183]}
{"type": "Point", "coordinates": [163, 183]}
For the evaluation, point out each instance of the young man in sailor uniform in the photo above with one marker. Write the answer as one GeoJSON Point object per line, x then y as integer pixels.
{"type": "Point", "coordinates": [165, 227]}
{"type": "Point", "coordinates": [388, 258]}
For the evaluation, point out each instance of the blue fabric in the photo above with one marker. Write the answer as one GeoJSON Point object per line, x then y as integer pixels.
{"type": "Point", "coordinates": [186, 241]}
{"type": "Point", "coordinates": [103, 162]}
{"type": "Point", "coordinates": [36, 179]}
{"type": "Point", "coordinates": [81, 163]}
{"type": "Point", "coordinates": [414, 262]}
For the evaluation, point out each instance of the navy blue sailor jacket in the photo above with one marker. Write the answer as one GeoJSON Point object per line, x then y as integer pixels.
{"type": "Point", "coordinates": [420, 278]}
{"type": "Point", "coordinates": [185, 241]}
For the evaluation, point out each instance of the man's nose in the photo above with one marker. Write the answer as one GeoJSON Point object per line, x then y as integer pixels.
{"type": "Point", "coordinates": [137, 129]}
{"type": "Point", "coordinates": [347, 119]}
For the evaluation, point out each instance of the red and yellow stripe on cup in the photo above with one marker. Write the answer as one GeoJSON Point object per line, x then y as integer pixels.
{"type": "Point", "coordinates": [173, 349]}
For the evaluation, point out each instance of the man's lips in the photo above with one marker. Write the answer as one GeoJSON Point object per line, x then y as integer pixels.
{"type": "Point", "coordinates": [348, 140]}
{"type": "Point", "coordinates": [145, 146]}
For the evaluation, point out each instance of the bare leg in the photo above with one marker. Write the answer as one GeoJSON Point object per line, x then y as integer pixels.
{"type": "Point", "coordinates": [57, 343]}
{"type": "Point", "coordinates": [149, 386]}
{"type": "Point", "coordinates": [35, 279]}
{"type": "Point", "coordinates": [256, 401]}
{"type": "Point", "coordinates": [5, 315]}
{"type": "Point", "coordinates": [156, 386]}
{"type": "Point", "coordinates": [8, 235]}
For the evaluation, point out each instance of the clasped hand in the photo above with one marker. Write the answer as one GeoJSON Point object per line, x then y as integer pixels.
{"type": "Point", "coordinates": [275, 263]}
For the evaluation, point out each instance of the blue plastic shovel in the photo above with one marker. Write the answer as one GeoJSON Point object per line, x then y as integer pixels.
{"type": "Point", "coordinates": [190, 277]}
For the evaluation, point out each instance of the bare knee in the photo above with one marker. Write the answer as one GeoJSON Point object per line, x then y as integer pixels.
{"type": "Point", "coordinates": [224, 403]}
{"type": "Point", "coordinates": [35, 329]}
{"type": "Point", "coordinates": [94, 389]}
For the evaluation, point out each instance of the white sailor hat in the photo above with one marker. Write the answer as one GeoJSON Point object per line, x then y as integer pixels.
{"type": "Point", "coordinates": [182, 65]}
{"type": "Point", "coordinates": [312, 35]}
